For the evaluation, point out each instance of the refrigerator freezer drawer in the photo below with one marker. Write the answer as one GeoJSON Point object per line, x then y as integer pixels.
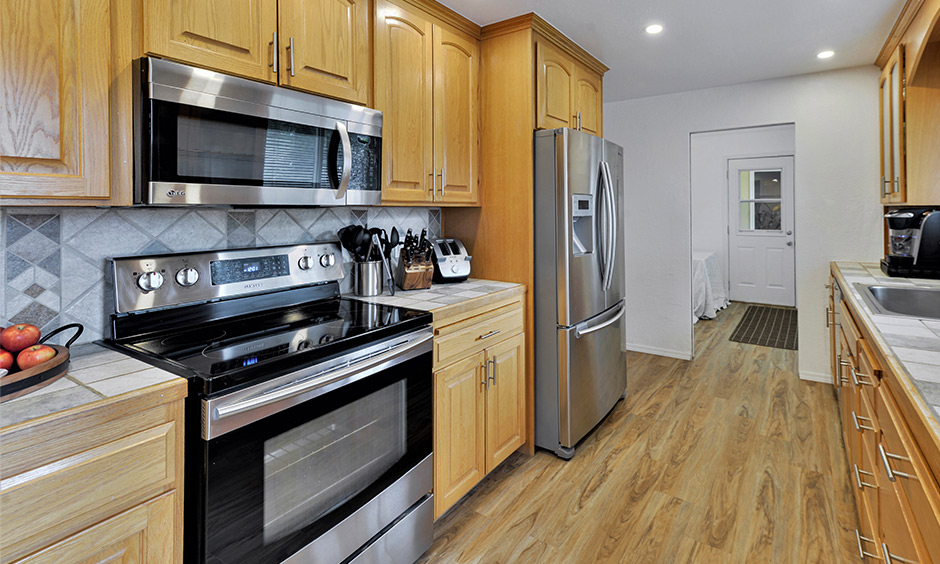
{"type": "Point", "coordinates": [592, 376]}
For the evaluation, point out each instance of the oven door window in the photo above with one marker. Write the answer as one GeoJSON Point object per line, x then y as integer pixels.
{"type": "Point", "coordinates": [195, 145]}
{"type": "Point", "coordinates": [276, 485]}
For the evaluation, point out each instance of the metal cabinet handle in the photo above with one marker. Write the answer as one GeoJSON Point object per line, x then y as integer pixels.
{"type": "Point", "coordinates": [897, 185]}
{"type": "Point", "coordinates": [486, 374]}
{"type": "Point", "coordinates": [844, 362]}
{"type": "Point", "coordinates": [858, 382]}
{"type": "Point", "coordinates": [442, 176]}
{"type": "Point", "coordinates": [885, 455]}
{"type": "Point", "coordinates": [490, 334]}
{"type": "Point", "coordinates": [858, 427]}
{"type": "Point", "coordinates": [889, 558]}
{"type": "Point", "coordinates": [858, 478]}
{"type": "Point", "coordinates": [274, 50]}
{"type": "Point", "coordinates": [290, 48]}
{"type": "Point", "coordinates": [828, 313]}
{"type": "Point", "coordinates": [493, 375]}
{"type": "Point", "coordinates": [861, 552]}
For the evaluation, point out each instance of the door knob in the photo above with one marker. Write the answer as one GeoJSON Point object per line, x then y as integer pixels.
{"type": "Point", "coordinates": [789, 233]}
{"type": "Point", "coordinates": [789, 243]}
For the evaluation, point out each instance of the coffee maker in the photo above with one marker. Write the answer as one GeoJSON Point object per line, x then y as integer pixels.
{"type": "Point", "coordinates": [913, 243]}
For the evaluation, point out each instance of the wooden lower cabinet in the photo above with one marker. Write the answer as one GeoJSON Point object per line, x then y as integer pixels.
{"type": "Point", "coordinates": [896, 490]}
{"type": "Point", "coordinates": [479, 400]}
{"type": "Point", "coordinates": [99, 483]}
{"type": "Point", "coordinates": [139, 535]}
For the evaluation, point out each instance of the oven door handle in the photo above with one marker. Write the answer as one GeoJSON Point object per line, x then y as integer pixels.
{"type": "Point", "coordinates": [315, 381]}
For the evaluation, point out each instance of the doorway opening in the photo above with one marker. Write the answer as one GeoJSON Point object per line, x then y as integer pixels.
{"type": "Point", "coordinates": [743, 220]}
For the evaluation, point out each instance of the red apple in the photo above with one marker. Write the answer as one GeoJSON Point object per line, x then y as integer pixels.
{"type": "Point", "coordinates": [34, 356]}
{"type": "Point", "coordinates": [6, 360]}
{"type": "Point", "coordinates": [17, 337]}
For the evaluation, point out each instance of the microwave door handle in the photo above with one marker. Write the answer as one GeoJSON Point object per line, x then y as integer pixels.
{"type": "Point", "coordinates": [347, 160]}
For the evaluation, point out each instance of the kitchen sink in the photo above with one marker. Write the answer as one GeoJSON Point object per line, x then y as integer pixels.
{"type": "Point", "coordinates": [902, 300]}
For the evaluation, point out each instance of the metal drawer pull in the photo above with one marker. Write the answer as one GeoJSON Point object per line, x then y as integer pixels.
{"type": "Point", "coordinates": [493, 376]}
{"type": "Point", "coordinates": [828, 316]}
{"type": "Point", "coordinates": [858, 382]}
{"type": "Point", "coordinates": [488, 335]}
{"type": "Point", "coordinates": [858, 478]}
{"type": "Point", "coordinates": [889, 558]}
{"type": "Point", "coordinates": [273, 64]}
{"type": "Point", "coordinates": [887, 464]}
{"type": "Point", "coordinates": [859, 427]}
{"type": "Point", "coordinates": [861, 552]}
{"type": "Point", "coordinates": [844, 362]}
{"type": "Point", "coordinates": [290, 47]}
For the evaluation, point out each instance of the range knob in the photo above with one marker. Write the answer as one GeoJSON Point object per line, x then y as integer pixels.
{"type": "Point", "coordinates": [187, 276]}
{"type": "Point", "coordinates": [327, 260]}
{"type": "Point", "coordinates": [305, 262]}
{"type": "Point", "coordinates": [150, 281]}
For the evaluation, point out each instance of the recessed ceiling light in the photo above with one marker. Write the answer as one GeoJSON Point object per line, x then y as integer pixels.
{"type": "Point", "coordinates": [653, 29]}
{"type": "Point", "coordinates": [825, 54]}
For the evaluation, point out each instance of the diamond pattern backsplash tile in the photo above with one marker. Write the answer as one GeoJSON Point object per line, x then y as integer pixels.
{"type": "Point", "coordinates": [38, 244]}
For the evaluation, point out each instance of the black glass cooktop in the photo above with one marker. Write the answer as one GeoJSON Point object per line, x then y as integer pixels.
{"type": "Point", "coordinates": [223, 354]}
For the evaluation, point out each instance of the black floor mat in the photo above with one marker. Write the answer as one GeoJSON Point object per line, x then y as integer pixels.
{"type": "Point", "coordinates": [767, 327]}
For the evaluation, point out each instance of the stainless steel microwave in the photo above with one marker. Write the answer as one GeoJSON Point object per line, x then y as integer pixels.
{"type": "Point", "coordinates": [205, 138]}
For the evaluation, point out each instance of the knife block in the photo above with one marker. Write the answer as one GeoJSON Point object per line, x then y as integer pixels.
{"type": "Point", "coordinates": [414, 275]}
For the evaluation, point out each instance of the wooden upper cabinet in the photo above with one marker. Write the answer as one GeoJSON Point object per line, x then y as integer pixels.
{"type": "Point", "coordinates": [404, 90]}
{"type": "Point", "coordinates": [589, 101]}
{"type": "Point", "coordinates": [554, 85]}
{"type": "Point", "coordinates": [892, 128]}
{"type": "Point", "coordinates": [55, 75]}
{"type": "Point", "coordinates": [231, 36]}
{"type": "Point", "coordinates": [331, 49]}
{"type": "Point", "coordinates": [456, 116]}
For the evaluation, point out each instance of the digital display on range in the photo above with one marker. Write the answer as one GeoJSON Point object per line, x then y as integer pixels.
{"type": "Point", "coordinates": [244, 270]}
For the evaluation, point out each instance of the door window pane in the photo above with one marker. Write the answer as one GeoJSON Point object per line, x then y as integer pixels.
{"type": "Point", "coordinates": [760, 216]}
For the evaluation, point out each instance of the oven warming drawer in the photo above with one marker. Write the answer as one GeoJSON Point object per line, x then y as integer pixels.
{"type": "Point", "coordinates": [408, 526]}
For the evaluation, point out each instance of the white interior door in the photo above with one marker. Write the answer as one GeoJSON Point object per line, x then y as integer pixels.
{"type": "Point", "coordinates": [760, 231]}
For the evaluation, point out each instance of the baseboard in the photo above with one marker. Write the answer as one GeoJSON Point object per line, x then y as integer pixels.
{"type": "Point", "coordinates": [658, 351]}
{"type": "Point", "coordinates": [816, 377]}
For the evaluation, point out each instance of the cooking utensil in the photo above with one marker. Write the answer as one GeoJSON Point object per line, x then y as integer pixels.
{"type": "Point", "coordinates": [388, 269]}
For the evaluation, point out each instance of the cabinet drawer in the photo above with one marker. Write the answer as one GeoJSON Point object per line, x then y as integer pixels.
{"type": "Point", "coordinates": [53, 501]}
{"type": "Point", "coordinates": [473, 335]}
{"type": "Point", "coordinates": [913, 480]}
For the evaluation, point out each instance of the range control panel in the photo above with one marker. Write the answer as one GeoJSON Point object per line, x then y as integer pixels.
{"type": "Point", "coordinates": [147, 282]}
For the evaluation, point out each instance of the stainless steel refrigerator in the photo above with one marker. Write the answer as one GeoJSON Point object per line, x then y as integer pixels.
{"type": "Point", "coordinates": [580, 363]}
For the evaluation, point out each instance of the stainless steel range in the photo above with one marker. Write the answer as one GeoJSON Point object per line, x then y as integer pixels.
{"type": "Point", "coordinates": [308, 425]}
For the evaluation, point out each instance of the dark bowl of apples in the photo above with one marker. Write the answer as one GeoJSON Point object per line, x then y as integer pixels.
{"type": "Point", "coordinates": [26, 363]}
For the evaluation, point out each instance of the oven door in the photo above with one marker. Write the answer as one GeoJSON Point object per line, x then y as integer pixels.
{"type": "Point", "coordinates": [317, 480]}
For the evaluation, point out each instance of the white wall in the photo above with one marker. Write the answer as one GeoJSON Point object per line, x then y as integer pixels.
{"type": "Point", "coordinates": [837, 210]}
{"type": "Point", "coordinates": [710, 152]}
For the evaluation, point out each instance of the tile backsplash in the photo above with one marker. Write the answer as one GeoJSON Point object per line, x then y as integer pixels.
{"type": "Point", "coordinates": [53, 259]}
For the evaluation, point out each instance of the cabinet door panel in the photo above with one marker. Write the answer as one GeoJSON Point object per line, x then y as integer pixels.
{"type": "Point", "coordinates": [331, 47]}
{"type": "Point", "coordinates": [505, 409]}
{"type": "Point", "coordinates": [144, 534]}
{"type": "Point", "coordinates": [456, 115]}
{"type": "Point", "coordinates": [54, 79]}
{"type": "Point", "coordinates": [590, 101]}
{"type": "Point", "coordinates": [403, 92]}
{"type": "Point", "coordinates": [459, 441]}
{"type": "Point", "coordinates": [232, 36]}
{"type": "Point", "coordinates": [554, 79]}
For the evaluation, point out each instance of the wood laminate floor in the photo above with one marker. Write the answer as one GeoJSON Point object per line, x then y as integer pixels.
{"type": "Point", "coordinates": [727, 458]}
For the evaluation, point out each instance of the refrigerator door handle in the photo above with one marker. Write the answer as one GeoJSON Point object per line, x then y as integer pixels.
{"type": "Point", "coordinates": [604, 238]}
{"type": "Point", "coordinates": [584, 328]}
{"type": "Point", "coordinates": [611, 245]}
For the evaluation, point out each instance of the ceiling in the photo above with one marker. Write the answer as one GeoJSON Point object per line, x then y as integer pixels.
{"type": "Point", "coordinates": [706, 43]}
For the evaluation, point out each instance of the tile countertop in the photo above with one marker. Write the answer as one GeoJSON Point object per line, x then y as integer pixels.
{"type": "Point", "coordinates": [95, 373]}
{"type": "Point", "coordinates": [447, 300]}
{"type": "Point", "coordinates": [915, 343]}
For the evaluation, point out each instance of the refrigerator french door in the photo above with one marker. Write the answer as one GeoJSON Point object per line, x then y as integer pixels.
{"type": "Point", "coordinates": [580, 370]}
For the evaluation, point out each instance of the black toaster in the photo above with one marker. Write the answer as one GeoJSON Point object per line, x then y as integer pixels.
{"type": "Point", "coordinates": [451, 261]}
